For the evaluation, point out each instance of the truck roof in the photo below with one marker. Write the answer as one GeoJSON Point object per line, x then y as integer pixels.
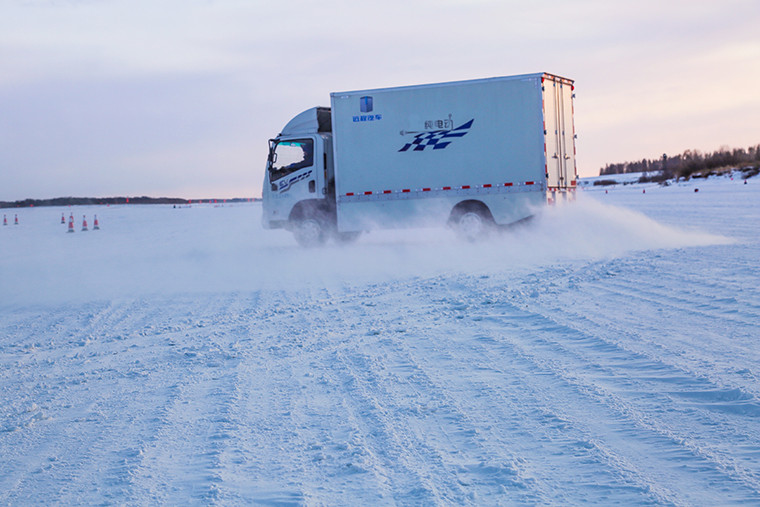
{"type": "Point", "coordinates": [456, 83]}
{"type": "Point", "coordinates": [316, 119]}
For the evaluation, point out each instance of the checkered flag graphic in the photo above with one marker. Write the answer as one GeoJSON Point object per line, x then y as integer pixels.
{"type": "Point", "coordinates": [438, 139]}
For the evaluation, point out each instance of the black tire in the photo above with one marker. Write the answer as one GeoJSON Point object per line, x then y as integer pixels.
{"type": "Point", "coordinates": [312, 222]}
{"type": "Point", "coordinates": [309, 232]}
{"type": "Point", "coordinates": [472, 221]}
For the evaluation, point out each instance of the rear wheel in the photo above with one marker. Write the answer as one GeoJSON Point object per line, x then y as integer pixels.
{"type": "Point", "coordinates": [309, 232]}
{"type": "Point", "coordinates": [472, 221]}
{"type": "Point", "coordinates": [471, 226]}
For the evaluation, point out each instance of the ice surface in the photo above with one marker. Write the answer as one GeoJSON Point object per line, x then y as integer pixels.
{"type": "Point", "coordinates": [604, 353]}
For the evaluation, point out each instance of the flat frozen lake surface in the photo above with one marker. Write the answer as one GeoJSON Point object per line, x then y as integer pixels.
{"type": "Point", "coordinates": [607, 353]}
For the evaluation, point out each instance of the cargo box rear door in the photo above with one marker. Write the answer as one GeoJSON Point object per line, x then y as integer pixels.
{"type": "Point", "coordinates": [559, 132]}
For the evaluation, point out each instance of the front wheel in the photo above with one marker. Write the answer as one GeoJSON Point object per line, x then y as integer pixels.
{"type": "Point", "coordinates": [309, 232]}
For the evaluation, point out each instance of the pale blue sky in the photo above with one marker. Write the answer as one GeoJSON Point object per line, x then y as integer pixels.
{"type": "Point", "coordinates": [179, 97]}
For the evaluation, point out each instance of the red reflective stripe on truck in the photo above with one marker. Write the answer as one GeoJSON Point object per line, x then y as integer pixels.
{"type": "Point", "coordinates": [428, 189]}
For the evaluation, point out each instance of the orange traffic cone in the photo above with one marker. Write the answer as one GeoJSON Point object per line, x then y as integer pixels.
{"type": "Point", "coordinates": [71, 224]}
{"type": "Point", "coordinates": [5, 220]}
{"type": "Point", "coordinates": [84, 223]}
{"type": "Point", "coordinates": [15, 220]}
{"type": "Point", "coordinates": [63, 218]}
{"type": "Point", "coordinates": [96, 225]}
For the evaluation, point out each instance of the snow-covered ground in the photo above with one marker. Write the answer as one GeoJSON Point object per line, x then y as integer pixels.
{"type": "Point", "coordinates": [607, 353]}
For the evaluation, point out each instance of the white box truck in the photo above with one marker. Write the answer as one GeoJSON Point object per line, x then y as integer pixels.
{"type": "Point", "coordinates": [471, 154]}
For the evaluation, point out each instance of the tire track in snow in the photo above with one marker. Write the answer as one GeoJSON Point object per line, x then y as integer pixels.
{"type": "Point", "coordinates": [303, 406]}
{"type": "Point", "coordinates": [605, 354]}
{"type": "Point", "coordinates": [472, 462]}
{"type": "Point", "coordinates": [637, 426]}
{"type": "Point", "coordinates": [325, 365]}
{"type": "Point", "coordinates": [679, 335]}
{"type": "Point", "coordinates": [700, 308]}
{"type": "Point", "coordinates": [195, 423]}
{"type": "Point", "coordinates": [81, 358]}
{"type": "Point", "coordinates": [520, 419]}
{"type": "Point", "coordinates": [39, 343]}
{"type": "Point", "coordinates": [414, 472]}
{"type": "Point", "coordinates": [418, 438]}
{"type": "Point", "coordinates": [143, 389]}
{"type": "Point", "coordinates": [703, 350]}
{"type": "Point", "coordinates": [741, 467]}
{"type": "Point", "coordinates": [101, 439]}
{"type": "Point", "coordinates": [459, 465]}
{"type": "Point", "coordinates": [265, 462]}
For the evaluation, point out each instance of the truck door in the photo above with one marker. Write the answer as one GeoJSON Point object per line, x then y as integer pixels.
{"type": "Point", "coordinates": [292, 168]}
{"type": "Point", "coordinates": [294, 174]}
{"type": "Point", "coordinates": [559, 133]}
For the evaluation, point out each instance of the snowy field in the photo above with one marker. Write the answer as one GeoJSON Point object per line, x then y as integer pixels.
{"type": "Point", "coordinates": [605, 354]}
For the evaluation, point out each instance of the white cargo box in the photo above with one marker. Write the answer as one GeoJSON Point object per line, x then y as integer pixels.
{"type": "Point", "coordinates": [407, 154]}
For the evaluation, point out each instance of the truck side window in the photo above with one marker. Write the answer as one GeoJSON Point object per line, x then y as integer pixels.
{"type": "Point", "coordinates": [291, 156]}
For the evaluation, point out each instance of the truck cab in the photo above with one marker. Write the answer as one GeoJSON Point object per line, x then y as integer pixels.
{"type": "Point", "coordinates": [299, 180]}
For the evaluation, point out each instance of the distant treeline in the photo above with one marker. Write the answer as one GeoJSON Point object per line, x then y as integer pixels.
{"type": "Point", "coordinates": [81, 201]}
{"type": "Point", "coordinates": [689, 163]}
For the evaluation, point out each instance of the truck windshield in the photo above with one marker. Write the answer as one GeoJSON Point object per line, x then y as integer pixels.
{"type": "Point", "coordinates": [290, 156]}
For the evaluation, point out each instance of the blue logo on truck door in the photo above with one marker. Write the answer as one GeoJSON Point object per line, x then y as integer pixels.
{"type": "Point", "coordinates": [438, 139]}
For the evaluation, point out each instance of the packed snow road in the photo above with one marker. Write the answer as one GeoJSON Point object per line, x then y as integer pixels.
{"type": "Point", "coordinates": [605, 354]}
